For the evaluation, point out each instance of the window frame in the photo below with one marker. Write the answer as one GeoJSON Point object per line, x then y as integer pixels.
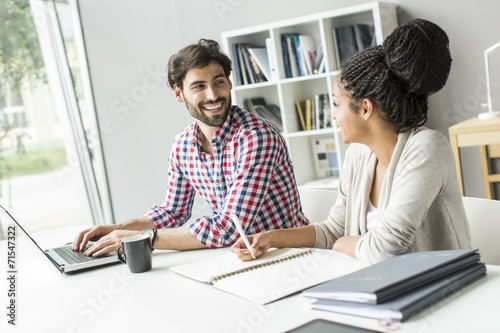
{"type": "Point", "coordinates": [92, 165]}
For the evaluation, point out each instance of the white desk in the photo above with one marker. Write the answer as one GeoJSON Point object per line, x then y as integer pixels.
{"type": "Point", "coordinates": [112, 299]}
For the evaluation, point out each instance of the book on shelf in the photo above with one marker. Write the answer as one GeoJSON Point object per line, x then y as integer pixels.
{"type": "Point", "coordinates": [248, 65]}
{"type": "Point", "coordinates": [272, 60]}
{"type": "Point", "coordinates": [336, 55]}
{"type": "Point", "coordinates": [293, 60]}
{"type": "Point", "coordinates": [351, 39]}
{"type": "Point", "coordinates": [247, 103]}
{"type": "Point", "coordinates": [408, 304]}
{"type": "Point", "coordinates": [364, 36]}
{"type": "Point", "coordinates": [322, 111]}
{"type": "Point", "coordinates": [307, 48]}
{"type": "Point", "coordinates": [242, 66]}
{"type": "Point", "coordinates": [394, 276]}
{"type": "Point", "coordinates": [261, 58]}
{"type": "Point", "coordinates": [259, 107]}
{"type": "Point", "coordinates": [309, 114]}
{"type": "Point", "coordinates": [314, 113]}
{"type": "Point", "coordinates": [319, 61]}
{"type": "Point", "coordinates": [301, 56]}
{"type": "Point", "coordinates": [278, 273]}
{"type": "Point", "coordinates": [251, 63]}
{"type": "Point", "coordinates": [286, 58]}
{"type": "Point", "coordinates": [346, 42]}
{"type": "Point", "coordinates": [237, 67]}
{"type": "Point", "coordinates": [255, 69]}
{"type": "Point", "coordinates": [270, 112]}
{"type": "Point", "coordinates": [327, 111]}
{"type": "Point", "coordinates": [300, 107]}
{"type": "Point", "coordinates": [318, 113]}
{"type": "Point", "coordinates": [325, 158]}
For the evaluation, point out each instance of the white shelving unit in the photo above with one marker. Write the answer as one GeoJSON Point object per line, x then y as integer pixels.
{"type": "Point", "coordinates": [284, 92]}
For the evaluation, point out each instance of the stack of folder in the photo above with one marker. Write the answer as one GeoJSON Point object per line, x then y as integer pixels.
{"type": "Point", "coordinates": [399, 287]}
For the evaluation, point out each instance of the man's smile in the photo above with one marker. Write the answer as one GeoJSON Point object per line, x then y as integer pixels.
{"type": "Point", "coordinates": [213, 108]}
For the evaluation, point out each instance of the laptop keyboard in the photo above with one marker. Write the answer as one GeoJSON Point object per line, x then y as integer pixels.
{"type": "Point", "coordinates": [74, 257]}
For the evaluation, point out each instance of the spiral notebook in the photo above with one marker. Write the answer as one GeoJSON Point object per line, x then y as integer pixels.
{"type": "Point", "coordinates": [279, 273]}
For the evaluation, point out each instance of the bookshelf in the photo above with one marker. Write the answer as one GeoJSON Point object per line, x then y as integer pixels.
{"type": "Point", "coordinates": [284, 90]}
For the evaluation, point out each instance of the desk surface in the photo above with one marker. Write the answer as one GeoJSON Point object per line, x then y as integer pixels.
{"type": "Point", "coordinates": [114, 299]}
{"type": "Point", "coordinates": [474, 125]}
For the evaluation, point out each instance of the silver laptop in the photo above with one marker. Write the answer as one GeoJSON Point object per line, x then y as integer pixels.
{"type": "Point", "coordinates": [66, 260]}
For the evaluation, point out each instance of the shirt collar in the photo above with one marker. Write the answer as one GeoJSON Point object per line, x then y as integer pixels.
{"type": "Point", "coordinates": [221, 134]}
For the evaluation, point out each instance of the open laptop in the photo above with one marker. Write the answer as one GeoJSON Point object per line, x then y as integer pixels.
{"type": "Point", "coordinates": [66, 260]}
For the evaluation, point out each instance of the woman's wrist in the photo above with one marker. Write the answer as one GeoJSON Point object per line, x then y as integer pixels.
{"type": "Point", "coordinates": [293, 237]}
{"type": "Point", "coordinates": [272, 237]}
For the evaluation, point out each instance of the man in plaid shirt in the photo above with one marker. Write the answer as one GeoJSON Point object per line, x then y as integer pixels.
{"type": "Point", "coordinates": [239, 163]}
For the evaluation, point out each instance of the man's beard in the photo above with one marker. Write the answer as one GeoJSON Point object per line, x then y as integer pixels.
{"type": "Point", "coordinates": [215, 120]}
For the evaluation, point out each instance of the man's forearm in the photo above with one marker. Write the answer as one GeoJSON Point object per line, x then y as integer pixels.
{"type": "Point", "coordinates": [138, 224]}
{"type": "Point", "coordinates": [179, 238]}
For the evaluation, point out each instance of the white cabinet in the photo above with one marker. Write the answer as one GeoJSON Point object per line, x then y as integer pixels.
{"type": "Point", "coordinates": [284, 91]}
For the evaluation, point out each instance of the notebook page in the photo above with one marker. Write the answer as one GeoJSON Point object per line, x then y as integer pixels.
{"type": "Point", "coordinates": [273, 282]}
{"type": "Point", "coordinates": [205, 270]}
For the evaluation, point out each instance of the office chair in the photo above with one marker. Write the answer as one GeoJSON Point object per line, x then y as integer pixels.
{"type": "Point", "coordinates": [316, 203]}
{"type": "Point", "coordinates": [484, 223]}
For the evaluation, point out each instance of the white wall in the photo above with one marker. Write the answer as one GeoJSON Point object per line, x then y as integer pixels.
{"type": "Point", "coordinates": [129, 42]}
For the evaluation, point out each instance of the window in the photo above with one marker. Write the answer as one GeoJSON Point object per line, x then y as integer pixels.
{"type": "Point", "coordinates": [52, 169]}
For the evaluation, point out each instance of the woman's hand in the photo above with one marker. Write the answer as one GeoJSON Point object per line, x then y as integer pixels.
{"type": "Point", "coordinates": [260, 244]}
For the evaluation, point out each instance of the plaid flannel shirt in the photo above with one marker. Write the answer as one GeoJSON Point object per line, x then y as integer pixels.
{"type": "Point", "coordinates": [249, 174]}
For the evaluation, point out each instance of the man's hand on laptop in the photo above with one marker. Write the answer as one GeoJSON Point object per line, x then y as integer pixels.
{"type": "Point", "coordinates": [110, 242]}
{"type": "Point", "coordinates": [106, 237]}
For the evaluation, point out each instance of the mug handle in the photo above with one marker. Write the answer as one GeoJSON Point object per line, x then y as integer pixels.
{"type": "Point", "coordinates": [121, 254]}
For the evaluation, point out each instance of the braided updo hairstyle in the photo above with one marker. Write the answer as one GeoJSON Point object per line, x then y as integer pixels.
{"type": "Point", "coordinates": [398, 76]}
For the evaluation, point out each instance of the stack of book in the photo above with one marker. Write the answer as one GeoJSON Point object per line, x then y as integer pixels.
{"type": "Point", "coordinates": [351, 39]}
{"type": "Point", "coordinates": [300, 55]}
{"type": "Point", "coordinates": [399, 287]}
{"type": "Point", "coordinates": [251, 64]}
{"type": "Point", "coordinates": [259, 107]}
{"type": "Point", "coordinates": [314, 113]}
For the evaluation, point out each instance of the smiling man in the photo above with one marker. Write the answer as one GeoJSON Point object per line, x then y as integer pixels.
{"type": "Point", "coordinates": [239, 163]}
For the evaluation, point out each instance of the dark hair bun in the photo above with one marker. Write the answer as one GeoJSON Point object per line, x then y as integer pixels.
{"type": "Point", "coordinates": [418, 53]}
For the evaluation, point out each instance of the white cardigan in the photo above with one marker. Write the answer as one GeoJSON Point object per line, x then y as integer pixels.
{"type": "Point", "coordinates": [420, 205]}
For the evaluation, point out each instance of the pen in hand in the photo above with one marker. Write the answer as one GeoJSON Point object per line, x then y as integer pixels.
{"type": "Point", "coordinates": [241, 232]}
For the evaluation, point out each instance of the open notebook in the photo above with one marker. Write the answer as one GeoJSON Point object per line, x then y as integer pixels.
{"type": "Point", "coordinates": [277, 274]}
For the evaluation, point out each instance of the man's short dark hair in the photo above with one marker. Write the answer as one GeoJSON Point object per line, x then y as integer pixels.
{"type": "Point", "coordinates": [195, 55]}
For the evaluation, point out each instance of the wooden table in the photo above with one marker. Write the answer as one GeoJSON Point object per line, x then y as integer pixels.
{"type": "Point", "coordinates": [482, 133]}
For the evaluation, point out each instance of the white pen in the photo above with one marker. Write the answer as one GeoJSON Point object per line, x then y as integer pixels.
{"type": "Point", "coordinates": [242, 233]}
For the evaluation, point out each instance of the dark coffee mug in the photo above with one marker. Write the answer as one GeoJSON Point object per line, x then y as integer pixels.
{"type": "Point", "coordinates": [136, 252]}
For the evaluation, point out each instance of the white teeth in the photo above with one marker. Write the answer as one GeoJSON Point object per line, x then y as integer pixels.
{"type": "Point", "coordinates": [212, 108]}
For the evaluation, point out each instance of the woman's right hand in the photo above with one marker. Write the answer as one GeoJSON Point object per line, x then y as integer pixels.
{"type": "Point", "coordinates": [260, 244]}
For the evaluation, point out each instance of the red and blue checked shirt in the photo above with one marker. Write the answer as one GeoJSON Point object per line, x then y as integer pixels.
{"type": "Point", "coordinates": [249, 174]}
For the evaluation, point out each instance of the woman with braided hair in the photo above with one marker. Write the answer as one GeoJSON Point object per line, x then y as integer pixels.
{"type": "Point", "coordinates": [399, 190]}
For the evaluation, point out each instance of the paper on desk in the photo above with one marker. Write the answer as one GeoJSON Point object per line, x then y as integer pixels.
{"type": "Point", "coordinates": [205, 270]}
{"type": "Point", "coordinates": [270, 283]}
